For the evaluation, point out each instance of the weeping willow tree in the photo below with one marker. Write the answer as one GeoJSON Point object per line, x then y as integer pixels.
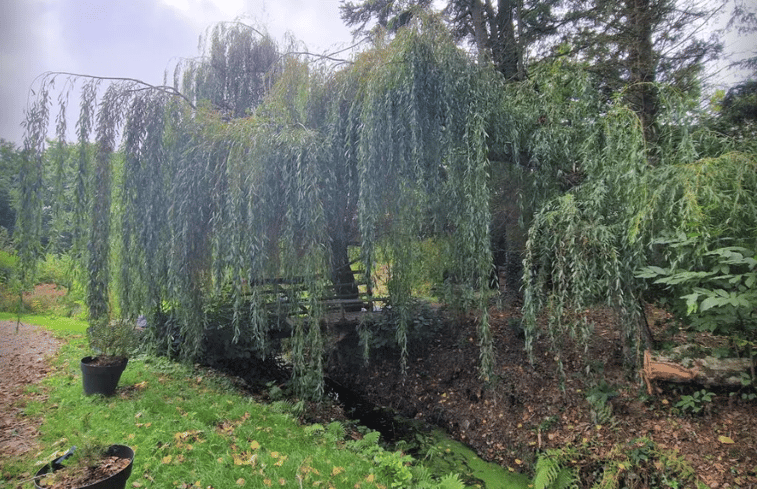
{"type": "Point", "coordinates": [598, 205]}
{"type": "Point", "coordinates": [255, 166]}
{"type": "Point", "coordinates": [423, 163]}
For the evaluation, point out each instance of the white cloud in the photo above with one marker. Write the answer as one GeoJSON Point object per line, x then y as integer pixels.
{"type": "Point", "coordinates": [134, 38]}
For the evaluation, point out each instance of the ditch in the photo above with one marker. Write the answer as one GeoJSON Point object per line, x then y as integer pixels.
{"type": "Point", "coordinates": [428, 444]}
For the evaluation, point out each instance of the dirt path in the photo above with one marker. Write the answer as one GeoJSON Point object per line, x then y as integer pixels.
{"type": "Point", "coordinates": [23, 361]}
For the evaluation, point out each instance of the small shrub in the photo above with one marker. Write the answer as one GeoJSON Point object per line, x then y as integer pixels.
{"type": "Point", "coordinates": [117, 338]}
{"type": "Point", "coordinates": [696, 402]}
{"type": "Point", "coordinates": [55, 269]}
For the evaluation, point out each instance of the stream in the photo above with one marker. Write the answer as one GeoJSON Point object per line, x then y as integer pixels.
{"type": "Point", "coordinates": [428, 444]}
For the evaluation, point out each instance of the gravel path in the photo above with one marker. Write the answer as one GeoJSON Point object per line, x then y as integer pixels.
{"type": "Point", "coordinates": [23, 361]}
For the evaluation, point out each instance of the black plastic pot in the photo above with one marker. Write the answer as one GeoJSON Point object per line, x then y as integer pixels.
{"type": "Point", "coordinates": [115, 481]}
{"type": "Point", "coordinates": [101, 379]}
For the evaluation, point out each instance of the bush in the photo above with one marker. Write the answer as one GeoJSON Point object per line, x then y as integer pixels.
{"type": "Point", "coordinates": [719, 296]}
{"type": "Point", "coordinates": [8, 261]}
{"type": "Point", "coordinates": [55, 269]}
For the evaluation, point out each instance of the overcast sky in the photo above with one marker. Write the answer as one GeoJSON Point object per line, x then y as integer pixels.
{"type": "Point", "coordinates": [142, 38]}
{"type": "Point", "coordinates": [134, 38]}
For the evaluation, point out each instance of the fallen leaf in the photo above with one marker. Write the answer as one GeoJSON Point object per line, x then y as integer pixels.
{"type": "Point", "coordinates": [244, 459]}
{"type": "Point", "coordinates": [725, 440]}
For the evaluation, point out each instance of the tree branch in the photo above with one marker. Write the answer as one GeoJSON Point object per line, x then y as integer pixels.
{"type": "Point", "coordinates": [321, 56]}
{"type": "Point", "coordinates": [161, 88]}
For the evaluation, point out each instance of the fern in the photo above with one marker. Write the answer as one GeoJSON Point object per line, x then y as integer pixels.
{"type": "Point", "coordinates": [422, 477]}
{"type": "Point", "coordinates": [451, 481]}
{"type": "Point", "coordinates": [368, 444]}
{"type": "Point", "coordinates": [566, 479]}
{"type": "Point", "coordinates": [335, 431]}
{"type": "Point", "coordinates": [601, 412]}
{"type": "Point", "coordinates": [551, 473]}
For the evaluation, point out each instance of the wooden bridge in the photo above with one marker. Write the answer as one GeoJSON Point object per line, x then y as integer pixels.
{"type": "Point", "coordinates": [283, 297]}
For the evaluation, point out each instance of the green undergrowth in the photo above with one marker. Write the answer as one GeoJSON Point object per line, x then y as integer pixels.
{"type": "Point", "coordinates": [448, 455]}
{"type": "Point", "coordinates": [190, 428]}
{"type": "Point", "coordinates": [637, 463]}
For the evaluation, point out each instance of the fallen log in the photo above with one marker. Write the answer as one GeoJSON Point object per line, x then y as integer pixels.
{"type": "Point", "coordinates": [681, 365]}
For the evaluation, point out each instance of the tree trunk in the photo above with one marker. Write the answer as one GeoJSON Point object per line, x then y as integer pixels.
{"type": "Point", "coordinates": [676, 366]}
{"type": "Point", "coordinates": [343, 278]}
{"type": "Point", "coordinates": [642, 65]}
{"type": "Point", "coordinates": [342, 275]}
{"type": "Point", "coordinates": [480, 31]}
{"type": "Point", "coordinates": [505, 50]}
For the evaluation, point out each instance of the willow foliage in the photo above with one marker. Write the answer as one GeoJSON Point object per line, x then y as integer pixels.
{"type": "Point", "coordinates": [263, 171]}
{"type": "Point", "coordinates": [587, 242]}
{"type": "Point", "coordinates": [423, 162]}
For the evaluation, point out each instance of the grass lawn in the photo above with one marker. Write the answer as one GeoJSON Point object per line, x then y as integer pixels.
{"type": "Point", "coordinates": [52, 323]}
{"type": "Point", "coordinates": [190, 428]}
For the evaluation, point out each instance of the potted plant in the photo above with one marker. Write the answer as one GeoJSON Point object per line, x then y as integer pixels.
{"type": "Point", "coordinates": [94, 467]}
{"type": "Point", "coordinates": [113, 342]}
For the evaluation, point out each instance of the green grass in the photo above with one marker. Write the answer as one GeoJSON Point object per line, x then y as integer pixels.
{"type": "Point", "coordinates": [62, 324]}
{"type": "Point", "coordinates": [191, 428]}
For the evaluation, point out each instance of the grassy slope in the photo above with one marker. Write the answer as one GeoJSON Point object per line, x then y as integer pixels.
{"type": "Point", "coordinates": [191, 428]}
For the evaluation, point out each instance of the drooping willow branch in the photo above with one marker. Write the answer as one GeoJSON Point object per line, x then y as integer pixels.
{"type": "Point", "coordinates": [167, 89]}
{"type": "Point", "coordinates": [320, 56]}
{"type": "Point", "coordinates": [329, 56]}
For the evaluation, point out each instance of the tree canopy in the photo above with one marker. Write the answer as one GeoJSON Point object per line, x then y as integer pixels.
{"type": "Point", "coordinates": [255, 166]}
{"type": "Point", "coordinates": [236, 188]}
